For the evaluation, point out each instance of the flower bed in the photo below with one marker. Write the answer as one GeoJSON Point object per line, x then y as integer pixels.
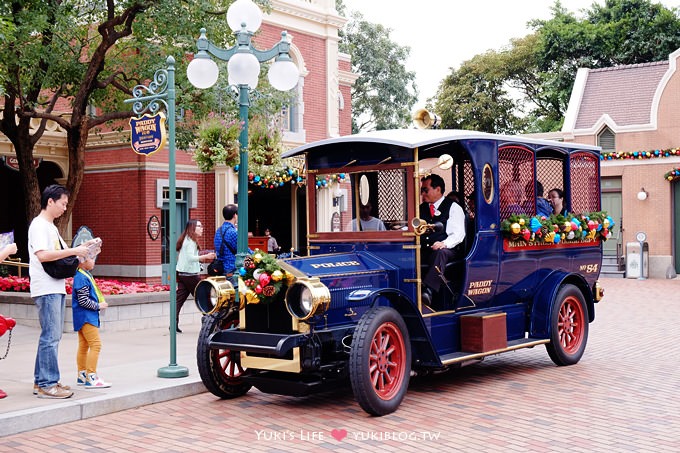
{"type": "Point", "coordinates": [107, 287]}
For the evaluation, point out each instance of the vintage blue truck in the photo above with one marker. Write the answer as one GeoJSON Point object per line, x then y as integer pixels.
{"type": "Point", "coordinates": [352, 310]}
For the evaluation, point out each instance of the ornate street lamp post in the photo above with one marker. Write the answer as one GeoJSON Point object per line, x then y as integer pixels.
{"type": "Point", "coordinates": [243, 67]}
{"type": "Point", "coordinates": [149, 99]}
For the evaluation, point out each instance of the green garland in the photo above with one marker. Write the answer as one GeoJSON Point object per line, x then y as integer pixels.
{"type": "Point", "coordinates": [261, 278]}
{"type": "Point", "coordinates": [558, 228]}
{"type": "Point", "coordinates": [672, 175]}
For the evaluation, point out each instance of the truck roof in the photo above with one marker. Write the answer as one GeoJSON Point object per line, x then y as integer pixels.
{"type": "Point", "coordinates": [411, 138]}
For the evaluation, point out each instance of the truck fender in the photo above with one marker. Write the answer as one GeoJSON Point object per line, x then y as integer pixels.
{"type": "Point", "coordinates": [544, 298]}
{"type": "Point", "coordinates": [422, 350]}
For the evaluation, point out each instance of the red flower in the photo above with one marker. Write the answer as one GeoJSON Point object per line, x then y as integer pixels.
{"type": "Point", "coordinates": [107, 287]}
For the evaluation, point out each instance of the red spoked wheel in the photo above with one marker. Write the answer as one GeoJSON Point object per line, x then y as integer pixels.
{"type": "Point", "coordinates": [380, 361]}
{"type": "Point", "coordinates": [569, 326]}
{"type": "Point", "coordinates": [220, 369]}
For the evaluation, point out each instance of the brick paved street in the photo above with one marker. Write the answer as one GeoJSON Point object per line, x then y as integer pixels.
{"type": "Point", "coordinates": [621, 397]}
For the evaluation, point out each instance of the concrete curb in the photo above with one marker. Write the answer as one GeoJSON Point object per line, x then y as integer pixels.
{"type": "Point", "coordinates": [73, 410]}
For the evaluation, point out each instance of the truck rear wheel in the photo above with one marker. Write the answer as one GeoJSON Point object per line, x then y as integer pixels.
{"type": "Point", "coordinates": [220, 369]}
{"type": "Point", "coordinates": [569, 327]}
{"type": "Point", "coordinates": [380, 361]}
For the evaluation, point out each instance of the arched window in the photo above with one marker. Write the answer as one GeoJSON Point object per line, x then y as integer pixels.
{"type": "Point", "coordinates": [292, 113]}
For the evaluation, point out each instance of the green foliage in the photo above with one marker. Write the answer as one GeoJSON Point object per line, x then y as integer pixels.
{"type": "Point", "coordinates": [93, 53]}
{"type": "Point", "coordinates": [526, 87]}
{"type": "Point", "coordinates": [217, 142]}
{"type": "Point", "coordinates": [385, 92]}
{"type": "Point", "coordinates": [476, 97]}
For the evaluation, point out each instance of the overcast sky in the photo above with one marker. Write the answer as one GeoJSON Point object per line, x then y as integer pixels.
{"type": "Point", "coordinates": [444, 33]}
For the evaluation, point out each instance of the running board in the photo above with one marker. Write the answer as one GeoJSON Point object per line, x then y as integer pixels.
{"type": "Point", "coordinates": [458, 357]}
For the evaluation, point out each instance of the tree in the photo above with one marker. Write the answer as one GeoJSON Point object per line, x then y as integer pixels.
{"type": "Point", "coordinates": [86, 53]}
{"type": "Point", "coordinates": [620, 32]}
{"type": "Point", "coordinates": [536, 73]}
{"type": "Point", "coordinates": [475, 96]}
{"type": "Point", "coordinates": [385, 92]}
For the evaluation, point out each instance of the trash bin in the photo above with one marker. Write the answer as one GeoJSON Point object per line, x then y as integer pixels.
{"type": "Point", "coordinates": [633, 259]}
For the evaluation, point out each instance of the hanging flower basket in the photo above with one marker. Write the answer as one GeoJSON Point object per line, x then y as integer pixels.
{"type": "Point", "coordinates": [217, 142]}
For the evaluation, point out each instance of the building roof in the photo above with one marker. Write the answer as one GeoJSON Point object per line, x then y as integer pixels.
{"type": "Point", "coordinates": [624, 93]}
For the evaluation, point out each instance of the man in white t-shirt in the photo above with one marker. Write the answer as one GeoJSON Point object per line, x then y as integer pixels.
{"type": "Point", "coordinates": [49, 294]}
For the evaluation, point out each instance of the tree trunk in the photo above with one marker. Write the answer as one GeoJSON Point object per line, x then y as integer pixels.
{"type": "Point", "coordinates": [77, 141]}
{"type": "Point", "coordinates": [19, 134]}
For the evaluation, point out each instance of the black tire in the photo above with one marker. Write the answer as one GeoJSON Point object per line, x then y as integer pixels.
{"type": "Point", "coordinates": [380, 370]}
{"type": "Point", "coordinates": [568, 326]}
{"type": "Point", "coordinates": [220, 369]}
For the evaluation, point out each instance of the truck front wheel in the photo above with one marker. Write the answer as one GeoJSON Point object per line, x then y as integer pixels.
{"type": "Point", "coordinates": [569, 326]}
{"type": "Point", "coordinates": [380, 361]}
{"type": "Point", "coordinates": [220, 369]}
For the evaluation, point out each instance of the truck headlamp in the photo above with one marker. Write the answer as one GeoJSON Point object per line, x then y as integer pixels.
{"type": "Point", "coordinates": [213, 293]}
{"type": "Point", "coordinates": [306, 298]}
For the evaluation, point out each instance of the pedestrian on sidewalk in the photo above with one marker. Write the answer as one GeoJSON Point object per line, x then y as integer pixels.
{"type": "Point", "coordinates": [86, 302]}
{"type": "Point", "coordinates": [49, 294]}
{"type": "Point", "coordinates": [188, 263]}
{"type": "Point", "coordinates": [9, 249]}
{"type": "Point", "coordinates": [226, 240]}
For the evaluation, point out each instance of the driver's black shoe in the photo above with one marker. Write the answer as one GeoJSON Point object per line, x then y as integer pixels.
{"type": "Point", "coordinates": [426, 296]}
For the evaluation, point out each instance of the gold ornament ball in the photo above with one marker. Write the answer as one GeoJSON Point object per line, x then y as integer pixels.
{"type": "Point", "coordinates": [515, 228]}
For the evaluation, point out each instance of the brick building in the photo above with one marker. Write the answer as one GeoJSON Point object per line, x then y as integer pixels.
{"type": "Point", "coordinates": [122, 191]}
{"type": "Point", "coordinates": [633, 113]}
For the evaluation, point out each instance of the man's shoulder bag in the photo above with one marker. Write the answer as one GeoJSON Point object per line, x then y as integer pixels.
{"type": "Point", "coordinates": [61, 268]}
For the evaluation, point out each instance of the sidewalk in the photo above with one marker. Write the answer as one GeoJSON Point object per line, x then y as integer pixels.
{"type": "Point", "coordinates": [129, 360]}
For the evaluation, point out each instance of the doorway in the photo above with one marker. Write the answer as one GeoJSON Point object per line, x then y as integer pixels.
{"type": "Point", "coordinates": [181, 218]}
{"type": "Point", "coordinates": [612, 203]}
{"type": "Point", "coordinates": [676, 224]}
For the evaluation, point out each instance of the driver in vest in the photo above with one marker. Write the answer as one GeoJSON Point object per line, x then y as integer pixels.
{"type": "Point", "coordinates": [438, 248]}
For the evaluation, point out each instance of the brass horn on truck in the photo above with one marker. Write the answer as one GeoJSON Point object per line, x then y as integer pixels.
{"type": "Point", "coordinates": [421, 227]}
{"type": "Point", "coordinates": [424, 119]}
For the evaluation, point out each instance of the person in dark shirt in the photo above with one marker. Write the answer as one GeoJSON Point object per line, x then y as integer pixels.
{"type": "Point", "coordinates": [226, 239]}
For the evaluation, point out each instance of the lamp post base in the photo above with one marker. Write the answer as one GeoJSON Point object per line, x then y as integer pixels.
{"type": "Point", "coordinates": [173, 371]}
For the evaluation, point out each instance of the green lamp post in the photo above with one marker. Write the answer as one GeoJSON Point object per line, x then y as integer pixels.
{"type": "Point", "coordinates": [161, 91]}
{"type": "Point", "coordinates": [244, 18]}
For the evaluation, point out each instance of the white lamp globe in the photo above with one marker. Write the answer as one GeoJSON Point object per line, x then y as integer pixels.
{"type": "Point", "coordinates": [202, 72]}
{"type": "Point", "coordinates": [283, 75]}
{"type": "Point", "coordinates": [642, 195]}
{"type": "Point", "coordinates": [243, 69]}
{"type": "Point", "coordinates": [244, 11]}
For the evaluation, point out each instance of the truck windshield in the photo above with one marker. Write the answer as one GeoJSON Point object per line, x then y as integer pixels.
{"type": "Point", "coordinates": [373, 200]}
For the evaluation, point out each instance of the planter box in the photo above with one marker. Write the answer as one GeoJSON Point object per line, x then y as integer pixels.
{"type": "Point", "coordinates": [125, 311]}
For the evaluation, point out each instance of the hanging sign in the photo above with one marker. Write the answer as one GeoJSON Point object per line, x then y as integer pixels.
{"type": "Point", "coordinates": [148, 133]}
{"type": "Point", "coordinates": [153, 227]}
{"type": "Point", "coordinates": [13, 163]}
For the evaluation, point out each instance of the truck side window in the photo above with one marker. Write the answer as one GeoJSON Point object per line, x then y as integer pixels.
{"type": "Point", "coordinates": [585, 183]}
{"type": "Point", "coordinates": [362, 201]}
{"type": "Point", "coordinates": [515, 173]}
